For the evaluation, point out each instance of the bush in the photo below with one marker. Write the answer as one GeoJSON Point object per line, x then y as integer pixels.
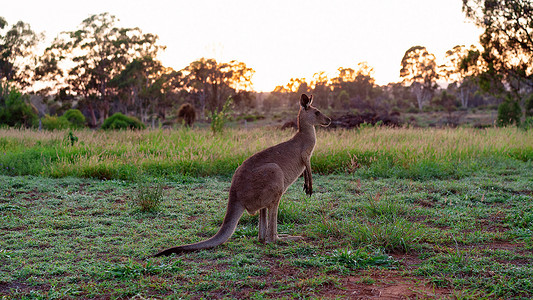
{"type": "Point", "coordinates": [75, 118]}
{"type": "Point", "coordinates": [72, 118]}
{"type": "Point", "coordinates": [54, 123]}
{"type": "Point", "coordinates": [219, 119]}
{"type": "Point", "coordinates": [508, 113]}
{"type": "Point", "coordinates": [120, 121]}
{"type": "Point", "coordinates": [149, 196]}
{"type": "Point", "coordinates": [14, 111]}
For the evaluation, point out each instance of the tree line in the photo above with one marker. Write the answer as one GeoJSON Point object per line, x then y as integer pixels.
{"type": "Point", "coordinates": [101, 68]}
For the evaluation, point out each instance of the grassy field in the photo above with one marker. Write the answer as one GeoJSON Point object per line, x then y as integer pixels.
{"type": "Point", "coordinates": [372, 152]}
{"type": "Point", "coordinates": [436, 213]}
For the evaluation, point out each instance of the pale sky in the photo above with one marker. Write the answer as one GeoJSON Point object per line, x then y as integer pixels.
{"type": "Point", "coordinates": [279, 39]}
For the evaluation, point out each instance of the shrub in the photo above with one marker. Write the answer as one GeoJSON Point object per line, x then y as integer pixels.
{"type": "Point", "coordinates": [149, 196]}
{"type": "Point", "coordinates": [54, 122]}
{"type": "Point", "coordinates": [219, 119]}
{"type": "Point", "coordinates": [508, 113]}
{"type": "Point", "coordinates": [75, 118]}
{"type": "Point", "coordinates": [14, 111]}
{"type": "Point", "coordinates": [120, 121]}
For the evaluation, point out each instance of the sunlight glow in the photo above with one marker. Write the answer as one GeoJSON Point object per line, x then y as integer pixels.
{"type": "Point", "coordinates": [280, 40]}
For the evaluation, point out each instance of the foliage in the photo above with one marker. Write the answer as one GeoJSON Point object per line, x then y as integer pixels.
{"type": "Point", "coordinates": [529, 106]}
{"type": "Point", "coordinates": [343, 100]}
{"type": "Point", "coordinates": [219, 119]}
{"type": "Point", "coordinates": [71, 138]}
{"type": "Point", "coordinates": [507, 40]}
{"type": "Point", "coordinates": [54, 122]}
{"type": "Point", "coordinates": [211, 82]}
{"type": "Point", "coordinates": [528, 123]}
{"type": "Point", "coordinates": [120, 121]}
{"type": "Point", "coordinates": [149, 195]}
{"type": "Point", "coordinates": [509, 113]}
{"type": "Point", "coordinates": [17, 45]}
{"type": "Point", "coordinates": [75, 118]}
{"type": "Point", "coordinates": [447, 101]}
{"type": "Point", "coordinates": [419, 70]}
{"type": "Point", "coordinates": [361, 258]}
{"type": "Point", "coordinates": [146, 87]}
{"type": "Point", "coordinates": [90, 57]}
{"type": "Point", "coordinates": [72, 118]}
{"type": "Point", "coordinates": [14, 111]}
{"type": "Point", "coordinates": [462, 67]}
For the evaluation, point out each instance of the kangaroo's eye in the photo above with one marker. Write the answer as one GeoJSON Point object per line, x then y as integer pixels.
{"type": "Point", "coordinates": [317, 113]}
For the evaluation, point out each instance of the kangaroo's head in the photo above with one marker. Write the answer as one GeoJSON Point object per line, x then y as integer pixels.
{"type": "Point", "coordinates": [310, 115]}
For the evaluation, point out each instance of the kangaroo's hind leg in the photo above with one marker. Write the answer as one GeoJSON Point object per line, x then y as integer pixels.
{"type": "Point", "coordinates": [272, 229]}
{"type": "Point", "coordinates": [263, 224]}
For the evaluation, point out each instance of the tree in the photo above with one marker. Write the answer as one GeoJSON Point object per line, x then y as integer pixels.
{"type": "Point", "coordinates": [244, 100]}
{"type": "Point", "coordinates": [358, 83]}
{"type": "Point", "coordinates": [321, 89]}
{"type": "Point", "coordinates": [213, 83]}
{"type": "Point", "coordinates": [507, 42]}
{"type": "Point", "coordinates": [17, 48]}
{"type": "Point", "coordinates": [419, 70]}
{"type": "Point", "coordinates": [448, 103]}
{"type": "Point", "coordinates": [462, 67]}
{"type": "Point", "coordinates": [343, 100]}
{"type": "Point", "coordinates": [508, 113]}
{"type": "Point", "coordinates": [144, 86]}
{"type": "Point", "coordinates": [87, 59]}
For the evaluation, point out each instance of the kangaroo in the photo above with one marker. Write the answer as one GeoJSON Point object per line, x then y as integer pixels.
{"type": "Point", "coordinates": [261, 180]}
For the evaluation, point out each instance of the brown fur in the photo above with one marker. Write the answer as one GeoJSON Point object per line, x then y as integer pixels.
{"type": "Point", "coordinates": [261, 180]}
{"type": "Point", "coordinates": [187, 113]}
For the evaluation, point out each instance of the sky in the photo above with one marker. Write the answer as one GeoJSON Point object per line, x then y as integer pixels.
{"type": "Point", "coordinates": [279, 39]}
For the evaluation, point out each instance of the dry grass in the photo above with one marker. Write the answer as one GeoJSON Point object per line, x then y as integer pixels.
{"type": "Point", "coordinates": [197, 152]}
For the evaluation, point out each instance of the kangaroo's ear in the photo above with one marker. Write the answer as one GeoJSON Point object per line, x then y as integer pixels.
{"type": "Point", "coordinates": [305, 101]}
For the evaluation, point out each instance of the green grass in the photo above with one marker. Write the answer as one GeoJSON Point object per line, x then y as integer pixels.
{"type": "Point", "coordinates": [458, 222]}
{"type": "Point", "coordinates": [74, 237]}
{"type": "Point", "coordinates": [368, 152]}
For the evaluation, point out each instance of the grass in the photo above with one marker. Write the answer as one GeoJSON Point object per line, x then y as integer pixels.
{"type": "Point", "coordinates": [369, 152]}
{"type": "Point", "coordinates": [462, 233]}
{"type": "Point", "coordinates": [149, 195]}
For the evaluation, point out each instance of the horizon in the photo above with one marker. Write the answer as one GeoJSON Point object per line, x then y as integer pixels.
{"type": "Point", "coordinates": [279, 40]}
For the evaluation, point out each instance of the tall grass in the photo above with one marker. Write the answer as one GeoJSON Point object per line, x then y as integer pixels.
{"type": "Point", "coordinates": [374, 152]}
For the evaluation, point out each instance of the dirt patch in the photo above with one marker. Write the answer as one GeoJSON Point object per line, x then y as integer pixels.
{"type": "Point", "coordinates": [386, 284]}
{"type": "Point", "coordinates": [12, 286]}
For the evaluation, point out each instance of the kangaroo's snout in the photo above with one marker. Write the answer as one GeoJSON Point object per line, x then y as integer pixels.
{"type": "Point", "coordinates": [326, 122]}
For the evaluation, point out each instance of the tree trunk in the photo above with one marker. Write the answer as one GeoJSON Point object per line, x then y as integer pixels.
{"type": "Point", "coordinates": [92, 114]}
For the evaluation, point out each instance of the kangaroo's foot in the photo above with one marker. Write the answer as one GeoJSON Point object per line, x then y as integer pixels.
{"type": "Point", "coordinates": [281, 238]}
{"type": "Point", "coordinates": [289, 238]}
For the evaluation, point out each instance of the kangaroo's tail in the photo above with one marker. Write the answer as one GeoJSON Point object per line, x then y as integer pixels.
{"type": "Point", "coordinates": [233, 214]}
